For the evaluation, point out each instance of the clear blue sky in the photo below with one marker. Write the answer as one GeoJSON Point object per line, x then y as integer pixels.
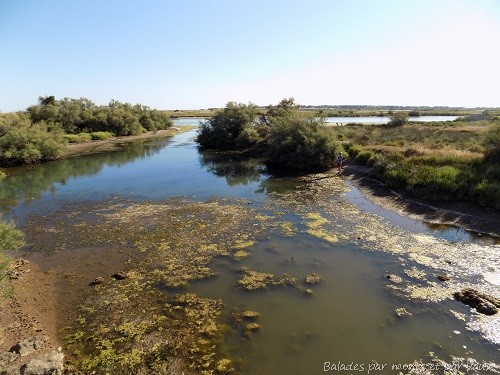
{"type": "Point", "coordinates": [187, 54]}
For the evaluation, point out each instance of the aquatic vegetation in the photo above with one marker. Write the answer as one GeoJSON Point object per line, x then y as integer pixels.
{"type": "Point", "coordinates": [254, 280]}
{"type": "Point", "coordinates": [313, 279]}
{"type": "Point", "coordinates": [315, 223]}
{"type": "Point", "coordinates": [137, 323]}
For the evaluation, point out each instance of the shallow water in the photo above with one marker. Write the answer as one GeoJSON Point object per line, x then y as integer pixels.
{"type": "Point", "coordinates": [351, 315]}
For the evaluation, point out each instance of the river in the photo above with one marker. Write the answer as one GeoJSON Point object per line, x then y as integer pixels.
{"type": "Point", "coordinates": [350, 319]}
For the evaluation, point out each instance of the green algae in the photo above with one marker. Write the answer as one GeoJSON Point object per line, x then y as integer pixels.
{"type": "Point", "coordinates": [254, 280]}
{"type": "Point", "coordinates": [139, 324]}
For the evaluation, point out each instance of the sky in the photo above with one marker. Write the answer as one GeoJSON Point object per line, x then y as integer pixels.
{"type": "Point", "coordinates": [195, 54]}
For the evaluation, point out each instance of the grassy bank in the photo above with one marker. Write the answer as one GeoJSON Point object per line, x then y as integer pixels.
{"type": "Point", "coordinates": [437, 161]}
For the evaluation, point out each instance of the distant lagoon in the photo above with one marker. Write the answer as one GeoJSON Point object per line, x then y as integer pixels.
{"type": "Point", "coordinates": [384, 119]}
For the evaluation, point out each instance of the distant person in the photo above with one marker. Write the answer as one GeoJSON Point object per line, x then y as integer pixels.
{"type": "Point", "coordinates": [340, 162]}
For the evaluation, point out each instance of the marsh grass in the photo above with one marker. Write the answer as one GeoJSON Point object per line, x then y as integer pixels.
{"type": "Point", "coordinates": [436, 161]}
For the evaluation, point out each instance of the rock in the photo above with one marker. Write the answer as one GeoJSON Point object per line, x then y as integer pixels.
{"type": "Point", "coordinates": [313, 279]}
{"type": "Point", "coordinates": [486, 308]}
{"type": "Point", "coordinates": [401, 312]}
{"type": "Point", "coordinates": [50, 363]}
{"type": "Point", "coordinates": [28, 346]}
{"type": "Point", "coordinates": [120, 275]}
{"type": "Point", "coordinates": [394, 278]}
{"type": "Point", "coordinates": [97, 281]}
{"type": "Point", "coordinates": [443, 277]}
{"type": "Point", "coordinates": [309, 292]}
{"type": "Point", "coordinates": [8, 357]}
{"type": "Point", "coordinates": [483, 303]}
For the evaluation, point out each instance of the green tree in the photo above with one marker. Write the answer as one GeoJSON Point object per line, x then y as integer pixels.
{"type": "Point", "coordinates": [300, 143]}
{"type": "Point", "coordinates": [27, 143]}
{"type": "Point", "coordinates": [398, 118]}
{"type": "Point", "coordinates": [225, 127]}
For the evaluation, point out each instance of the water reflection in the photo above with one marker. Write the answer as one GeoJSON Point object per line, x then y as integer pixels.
{"type": "Point", "coordinates": [235, 168]}
{"type": "Point", "coordinates": [28, 183]}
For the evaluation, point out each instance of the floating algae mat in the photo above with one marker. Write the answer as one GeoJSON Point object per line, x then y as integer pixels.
{"type": "Point", "coordinates": [230, 270]}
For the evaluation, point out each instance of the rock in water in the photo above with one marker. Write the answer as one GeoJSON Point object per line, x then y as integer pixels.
{"type": "Point", "coordinates": [483, 303]}
{"type": "Point", "coordinates": [120, 275]}
{"type": "Point", "coordinates": [394, 278]}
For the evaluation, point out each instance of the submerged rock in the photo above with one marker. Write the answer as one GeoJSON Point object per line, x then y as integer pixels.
{"type": "Point", "coordinates": [443, 277]}
{"type": "Point", "coordinates": [120, 275]}
{"type": "Point", "coordinates": [483, 303]}
{"type": "Point", "coordinates": [97, 281]}
{"type": "Point", "coordinates": [394, 278]}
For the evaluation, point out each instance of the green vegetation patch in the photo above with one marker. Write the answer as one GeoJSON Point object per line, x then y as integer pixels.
{"type": "Point", "coordinates": [436, 161]}
{"type": "Point", "coordinates": [146, 323]}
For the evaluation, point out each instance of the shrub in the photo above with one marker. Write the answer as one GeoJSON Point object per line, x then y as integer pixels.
{"type": "Point", "coordinates": [301, 144]}
{"type": "Point", "coordinates": [224, 128]}
{"type": "Point", "coordinates": [26, 143]}
{"type": "Point", "coordinates": [398, 118]}
{"type": "Point", "coordinates": [492, 143]}
{"type": "Point", "coordinates": [10, 239]}
{"type": "Point", "coordinates": [78, 138]}
{"type": "Point", "coordinates": [101, 136]}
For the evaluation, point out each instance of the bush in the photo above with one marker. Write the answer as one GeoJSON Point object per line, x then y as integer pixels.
{"type": "Point", "coordinates": [492, 144]}
{"type": "Point", "coordinates": [26, 143]}
{"type": "Point", "coordinates": [398, 119]}
{"type": "Point", "coordinates": [101, 136]}
{"type": "Point", "coordinates": [301, 144]}
{"type": "Point", "coordinates": [225, 127]}
{"type": "Point", "coordinates": [78, 138]}
{"type": "Point", "coordinates": [10, 239]}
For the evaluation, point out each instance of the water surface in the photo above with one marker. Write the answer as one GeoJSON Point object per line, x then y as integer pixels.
{"type": "Point", "coordinates": [351, 315]}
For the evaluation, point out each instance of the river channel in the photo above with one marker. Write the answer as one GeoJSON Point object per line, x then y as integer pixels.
{"type": "Point", "coordinates": [349, 318]}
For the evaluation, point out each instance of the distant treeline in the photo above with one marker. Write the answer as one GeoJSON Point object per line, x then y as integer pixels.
{"type": "Point", "coordinates": [41, 132]}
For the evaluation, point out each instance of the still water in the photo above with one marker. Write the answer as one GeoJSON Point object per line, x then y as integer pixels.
{"type": "Point", "coordinates": [384, 119]}
{"type": "Point", "coordinates": [350, 318]}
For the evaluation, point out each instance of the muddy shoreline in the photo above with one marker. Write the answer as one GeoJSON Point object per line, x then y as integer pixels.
{"type": "Point", "coordinates": [94, 147]}
{"type": "Point", "coordinates": [463, 215]}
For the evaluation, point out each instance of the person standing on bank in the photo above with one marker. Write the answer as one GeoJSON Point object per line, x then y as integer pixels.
{"type": "Point", "coordinates": [340, 162]}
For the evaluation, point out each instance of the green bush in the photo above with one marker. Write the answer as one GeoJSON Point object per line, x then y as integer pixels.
{"type": "Point", "coordinates": [101, 136]}
{"type": "Point", "coordinates": [82, 115]}
{"type": "Point", "coordinates": [301, 144]}
{"type": "Point", "coordinates": [398, 119]}
{"type": "Point", "coordinates": [10, 239]}
{"type": "Point", "coordinates": [492, 143]}
{"type": "Point", "coordinates": [26, 143]}
{"type": "Point", "coordinates": [226, 126]}
{"type": "Point", "coordinates": [78, 138]}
